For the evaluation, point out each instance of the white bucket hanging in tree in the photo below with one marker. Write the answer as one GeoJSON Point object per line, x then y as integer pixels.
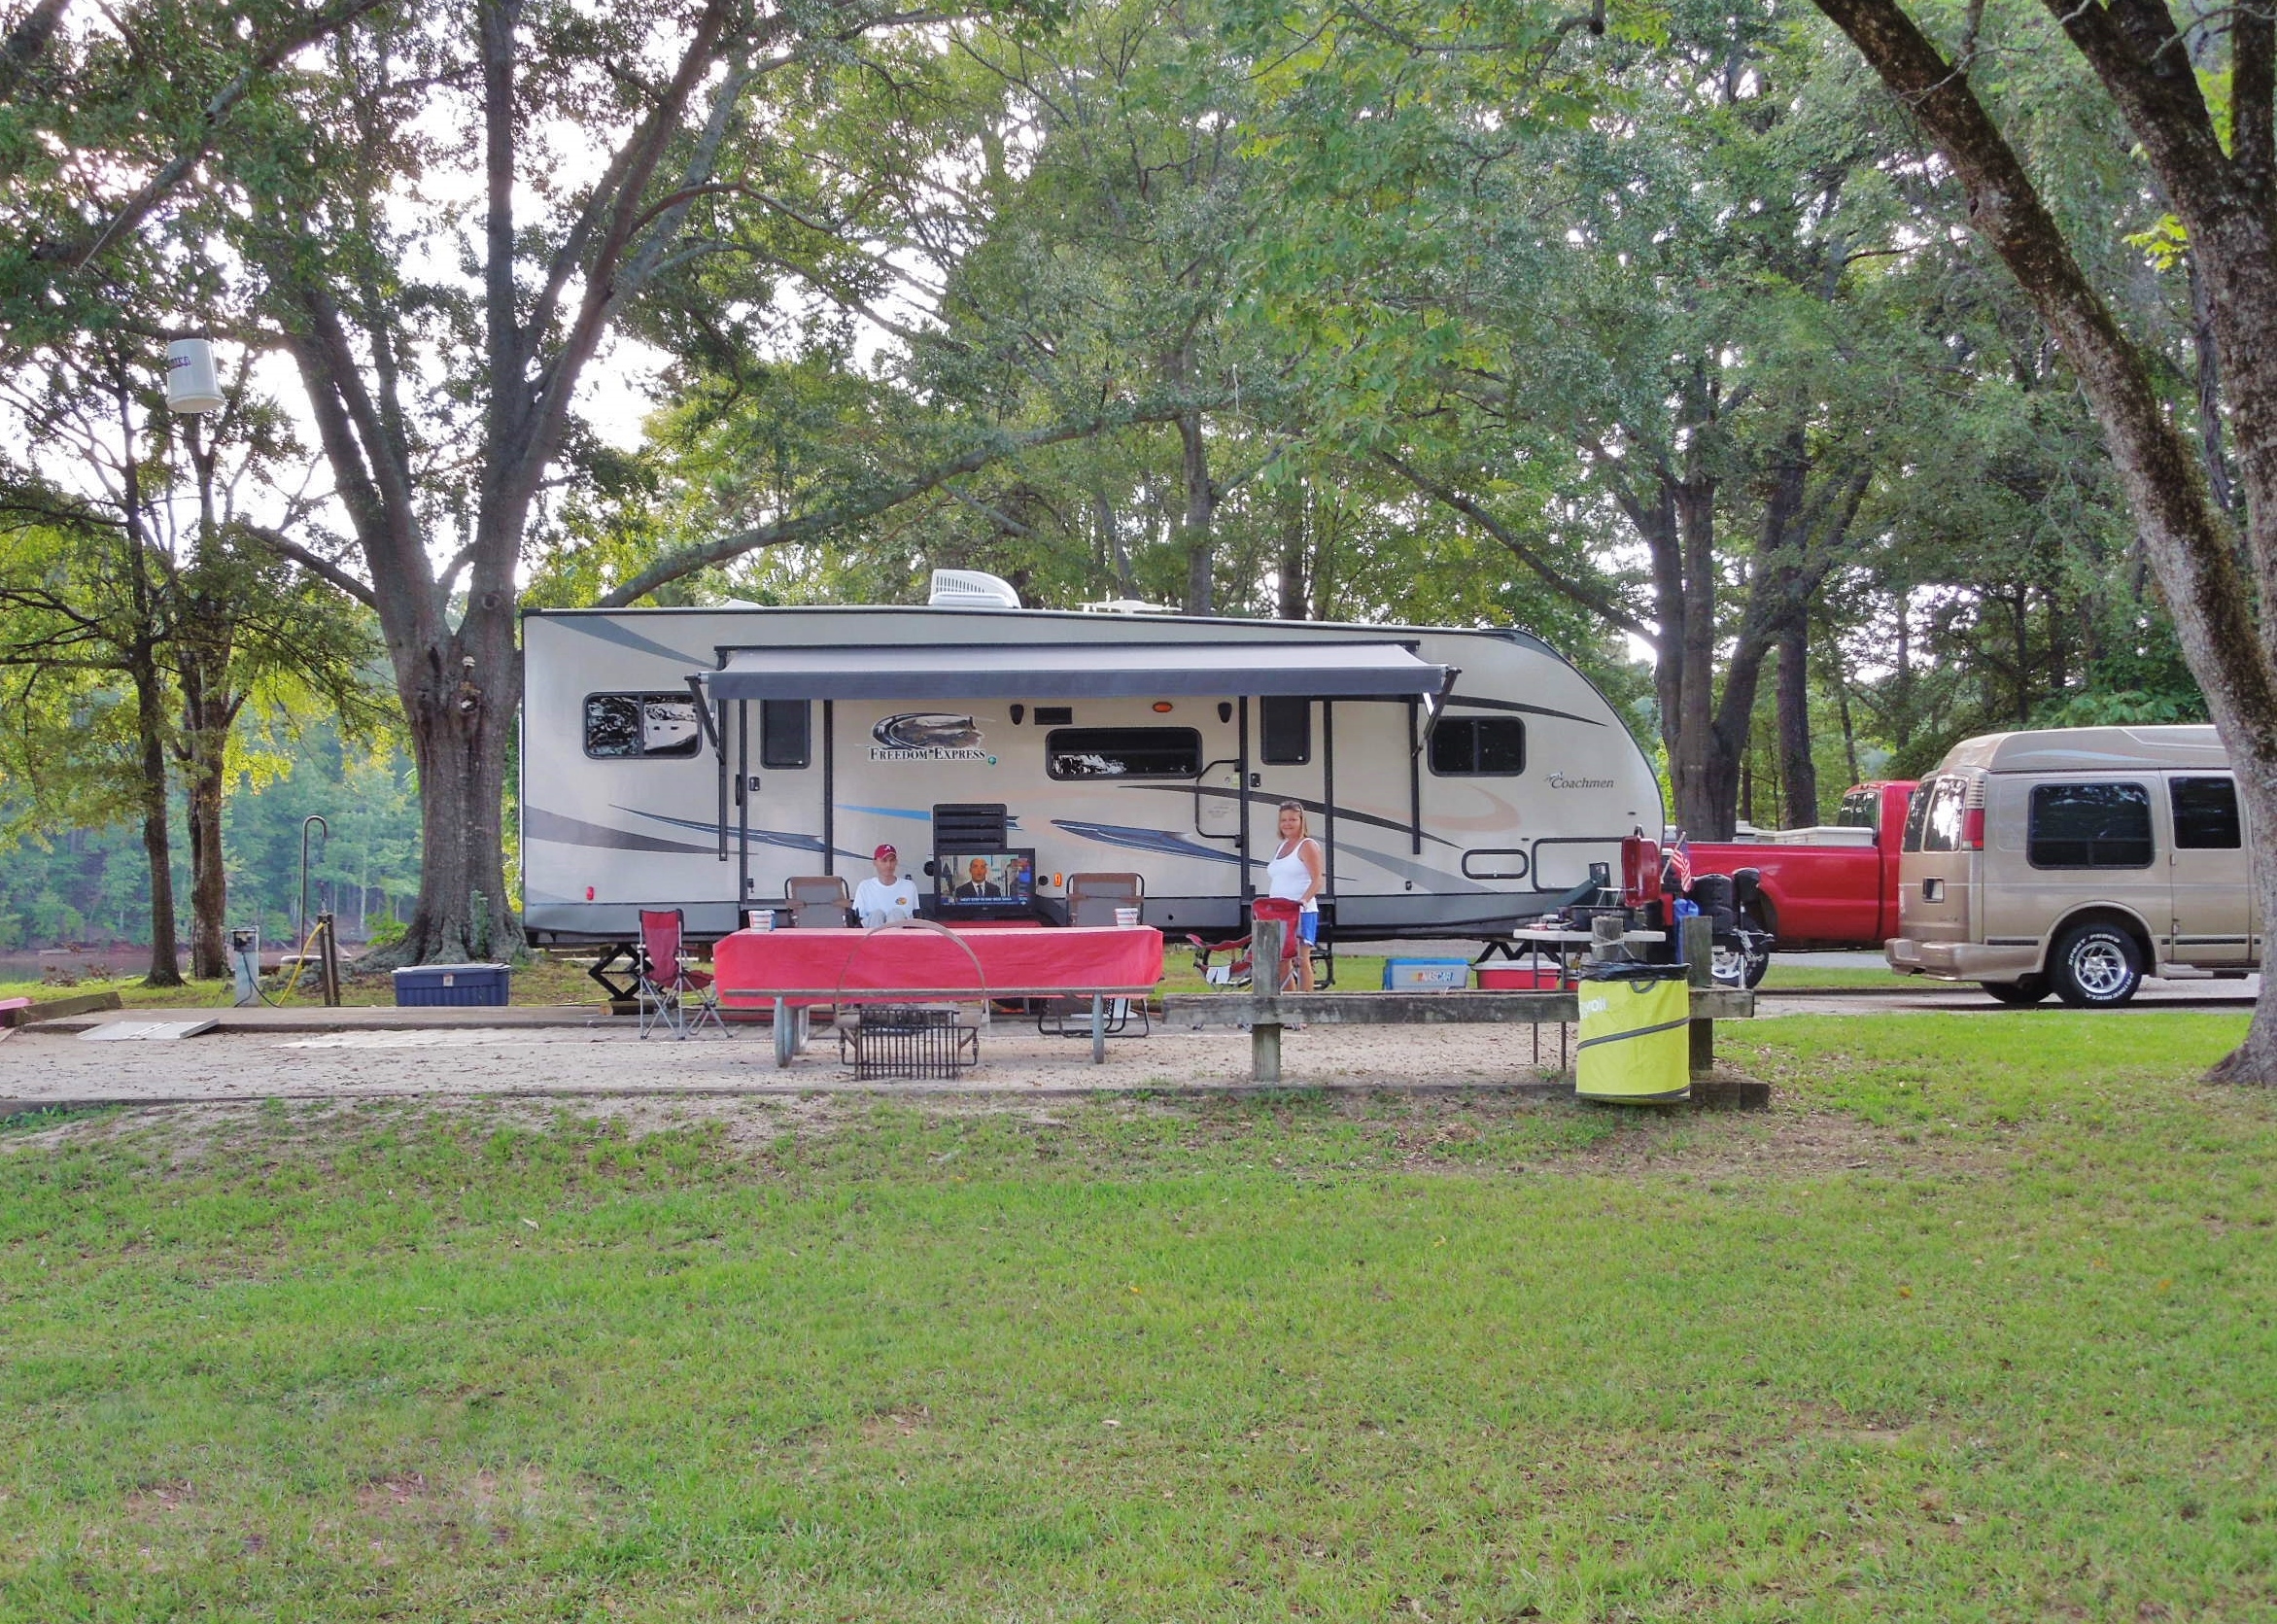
{"type": "Point", "coordinates": [191, 383]}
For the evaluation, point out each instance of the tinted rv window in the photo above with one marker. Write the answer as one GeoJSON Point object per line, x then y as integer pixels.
{"type": "Point", "coordinates": [2089, 826]}
{"type": "Point", "coordinates": [1489, 746]}
{"type": "Point", "coordinates": [1940, 823]}
{"type": "Point", "coordinates": [641, 725]}
{"type": "Point", "coordinates": [1285, 731]}
{"type": "Point", "coordinates": [784, 732]}
{"type": "Point", "coordinates": [2205, 814]}
{"type": "Point", "coordinates": [1862, 809]}
{"type": "Point", "coordinates": [1123, 753]}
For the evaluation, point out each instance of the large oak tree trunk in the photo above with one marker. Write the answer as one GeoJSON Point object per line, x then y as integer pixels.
{"type": "Point", "coordinates": [1798, 771]}
{"type": "Point", "coordinates": [1201, 508]}
{"type": "Point", "coordinates": [461, 719]}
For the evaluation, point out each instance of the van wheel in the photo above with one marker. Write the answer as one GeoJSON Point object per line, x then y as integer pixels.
{"type": "Point", "coordinates": [2023, 990]}
{"type": "Point", "coordinates": [2097, 967]}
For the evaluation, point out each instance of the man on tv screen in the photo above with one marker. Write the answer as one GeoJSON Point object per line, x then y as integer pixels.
{"type": "Point", "coordinates": [977, 887]}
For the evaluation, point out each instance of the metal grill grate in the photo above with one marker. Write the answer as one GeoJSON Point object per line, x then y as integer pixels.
{"type": "Point", "coordinates": [900, 1042]}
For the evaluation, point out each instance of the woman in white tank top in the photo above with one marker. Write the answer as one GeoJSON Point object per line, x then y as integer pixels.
{"type": "Point", "coordinates": [1296, 874]}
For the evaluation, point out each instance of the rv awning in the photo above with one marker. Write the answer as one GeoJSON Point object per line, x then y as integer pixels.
{"type": "Point", "coordinates": [1077, 671]}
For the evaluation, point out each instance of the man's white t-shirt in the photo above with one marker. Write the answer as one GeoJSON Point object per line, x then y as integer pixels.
{"type": "Point", "coordinates": [875, 903]}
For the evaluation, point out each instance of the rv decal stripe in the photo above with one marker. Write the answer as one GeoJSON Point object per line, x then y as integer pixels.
{"type": "Point", "coordinates": [1513, 705]}
{"type": "Point", "coordinates": [1165, 842]}
{"type": "Point", "coordinates": [1309, 804]}
{"type": "Point", "coordinates": [756, 836]}
{"type": "Point", "coordinates": [538, 824]}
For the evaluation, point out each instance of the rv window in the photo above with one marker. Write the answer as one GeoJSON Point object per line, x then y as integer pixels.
{"type": "Point", "coordinates": [1484, 745]}
{"type": "Point", "coordinates": [1123, 752]}
{"type": "Point", "coordinates": [1941, 825]}
{"type": "Point", "coordinates": [2089, 826]}
{"type": "Point", "coordinates": [2205, 814]}
{"type": "Point", "coordinates": [1862, 809]}
{"type": "Point", "coordinates": [784, 732]}
{"type": "Point", "coordinates": [1916, 809]}
{"type": "Point", "coordinates": [641, 725]}
{"type": "Point", "coordinates": [1285, 731]}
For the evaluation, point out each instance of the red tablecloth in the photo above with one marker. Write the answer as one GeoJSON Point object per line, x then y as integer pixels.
{"type": "Point", "coordinates": [753, 965]}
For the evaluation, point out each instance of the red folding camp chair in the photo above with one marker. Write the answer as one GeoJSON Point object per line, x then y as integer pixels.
{"type": "Point", "coordinates": [666, 984]}
{"type": "Point", "coordinates": [1240, 970]}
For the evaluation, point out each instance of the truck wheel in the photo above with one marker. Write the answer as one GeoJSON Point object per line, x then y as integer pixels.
{"type": "Point", "coordinates": [1758, 954]}
{"type": "Point", "coordinates": [2022, 991]}
{"type": "Point", "coordinates": [2096, 966]}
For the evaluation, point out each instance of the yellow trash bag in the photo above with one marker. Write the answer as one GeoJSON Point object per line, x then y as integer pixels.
{"type": "Point", "coordinates": [1635, 1042]}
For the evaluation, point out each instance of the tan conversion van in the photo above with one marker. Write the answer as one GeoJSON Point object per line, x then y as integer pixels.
{"type": "Point", "coordinates": [2076, 861]}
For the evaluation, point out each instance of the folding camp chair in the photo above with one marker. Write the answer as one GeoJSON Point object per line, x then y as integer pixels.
{"type": "Point", "coordinates": [1236, 971]}
{"type": "Point", "coordinates": [666, 984]}
{"type": "Point", "coordinates": [1092, 900]}
{"type": "Point", "coordinates": [818, 902]}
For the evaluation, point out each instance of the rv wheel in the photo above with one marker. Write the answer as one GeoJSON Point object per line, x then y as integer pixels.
{"type": "Point", "coordinates": [2096, 966]}
{"type": "Point", "coordinates": [2022, 991]}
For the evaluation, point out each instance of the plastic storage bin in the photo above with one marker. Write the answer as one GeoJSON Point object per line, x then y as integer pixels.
{"type": "Point", "coordinates": [1635, 1043]}
{"type": "Point", "coordinates": [464, 984]}
{"type": "Point", "coordinates": [1519, 977]}
{"type": "Point", "coordinates": [1426, 975]}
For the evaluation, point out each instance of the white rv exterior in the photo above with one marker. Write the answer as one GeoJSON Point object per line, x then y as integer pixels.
{"type": "Point", "coordinates": [1454, 812]}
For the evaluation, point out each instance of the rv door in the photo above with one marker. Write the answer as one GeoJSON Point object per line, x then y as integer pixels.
{"type": "Point", "coordinates": [1216, 801]}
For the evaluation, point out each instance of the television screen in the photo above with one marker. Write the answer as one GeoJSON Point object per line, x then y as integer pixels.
{"type": "Point", "coordinates": [985, 878]}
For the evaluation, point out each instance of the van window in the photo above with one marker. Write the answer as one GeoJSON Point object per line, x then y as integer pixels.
{"type": "Point", "coordinates": [1916, 811]}
{"type": "Point", "coordinates": [1862, 809]}
{"type": "Point", "coordinates": [2205, 814]}
{"type": "Point", "coordinates": [1285, 730]}
{"type": "Point", "coordinates": [786, 729]}
{"type": "Point", "coordinates": [2089, 826]}
{"type": "Point", "coordinates": [1484, 746]}
{"type": "Point", "coordinates": [1941, 825]}
{"type": "Point", "coordinates": [627, 725]}
{"type": "Point", "coordinates": [1123, 753]}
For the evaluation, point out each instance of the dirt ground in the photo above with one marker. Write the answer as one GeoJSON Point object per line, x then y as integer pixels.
{"type": "Point", "coordinates": [39, 1066]}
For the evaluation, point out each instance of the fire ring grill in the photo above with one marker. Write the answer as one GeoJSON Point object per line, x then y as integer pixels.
{"type": "Point", "coordinates": [909, 1043]}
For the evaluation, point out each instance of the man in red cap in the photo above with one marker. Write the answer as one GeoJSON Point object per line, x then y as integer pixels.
{"type": "Point", "coordinates": [888, 897]}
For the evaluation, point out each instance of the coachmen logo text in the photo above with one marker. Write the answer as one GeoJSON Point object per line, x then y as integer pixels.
{"type": "Point", "coordinates": [1562, 780]}
{"type": "Point", "coordinates": [929, 736]}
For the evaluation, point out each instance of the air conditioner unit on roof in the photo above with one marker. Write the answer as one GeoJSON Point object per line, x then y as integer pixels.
{"type": "Point", "coordinates": [971, 589]}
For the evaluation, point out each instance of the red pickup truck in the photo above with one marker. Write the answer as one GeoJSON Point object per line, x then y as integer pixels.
{"type": "Point", "coordinates": [1834, 886]}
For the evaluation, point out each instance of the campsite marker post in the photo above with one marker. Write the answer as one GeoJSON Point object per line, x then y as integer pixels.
{"type": "Point", "coordinates": [1699, 971]}
{"type": "Point", "coordinates": [1265, 972]}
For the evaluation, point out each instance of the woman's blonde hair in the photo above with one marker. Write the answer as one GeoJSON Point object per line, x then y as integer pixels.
{"type": "Point", "coordinates": [1304, 823]}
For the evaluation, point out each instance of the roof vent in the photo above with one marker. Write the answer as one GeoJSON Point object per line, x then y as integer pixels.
{"type": "Point", "coordinates": [970, 589]}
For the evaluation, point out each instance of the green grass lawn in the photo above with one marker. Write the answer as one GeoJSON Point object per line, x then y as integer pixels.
{"type": "Point", "coordinates": [1977, 1324]}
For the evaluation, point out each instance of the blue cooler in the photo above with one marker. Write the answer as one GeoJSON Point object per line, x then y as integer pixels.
{"type": "Point", "coordinates": [474, 986]}
{"type": "Point", "coordinates": [1426, 975]}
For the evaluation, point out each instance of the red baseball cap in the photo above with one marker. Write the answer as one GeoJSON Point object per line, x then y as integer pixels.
{"type": "Point", "coordinates": [883, 853]}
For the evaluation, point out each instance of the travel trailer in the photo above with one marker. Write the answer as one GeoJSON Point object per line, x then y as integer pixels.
{"type": "Point", "coordinates": [2076, 860]}
{"type": "Point", "coordinates": [701, 758]}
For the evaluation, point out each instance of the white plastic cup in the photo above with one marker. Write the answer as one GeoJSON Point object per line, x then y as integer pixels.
{"type": "Point", "coordinates": [1126, 918]}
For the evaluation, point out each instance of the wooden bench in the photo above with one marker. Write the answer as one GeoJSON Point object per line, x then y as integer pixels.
{"type": "Point", "coordinates": [1266, 1014]}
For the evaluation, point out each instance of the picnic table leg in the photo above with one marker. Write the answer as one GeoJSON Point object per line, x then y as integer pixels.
{"type": "Point", "coordinates": [1098, 1029]}
{"type": "Point", "coordinates": [782, 1033]}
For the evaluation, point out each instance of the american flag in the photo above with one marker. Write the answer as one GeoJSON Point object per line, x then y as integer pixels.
{"type": "Point", "coordinates": [1680, 861]}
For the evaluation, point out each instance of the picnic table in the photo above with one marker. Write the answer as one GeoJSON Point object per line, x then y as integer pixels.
{"type": "Point", "coordinates": [793, 971]}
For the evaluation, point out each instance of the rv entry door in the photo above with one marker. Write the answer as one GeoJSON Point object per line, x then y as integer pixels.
{"type": "Point", "coordinates": [1216, 801]}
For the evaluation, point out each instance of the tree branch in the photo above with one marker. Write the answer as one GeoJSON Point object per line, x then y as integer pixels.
{"type": "Point", "coordinates": [1580, 592]}
{"type": "Point", "coordinates": [688, 561]}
